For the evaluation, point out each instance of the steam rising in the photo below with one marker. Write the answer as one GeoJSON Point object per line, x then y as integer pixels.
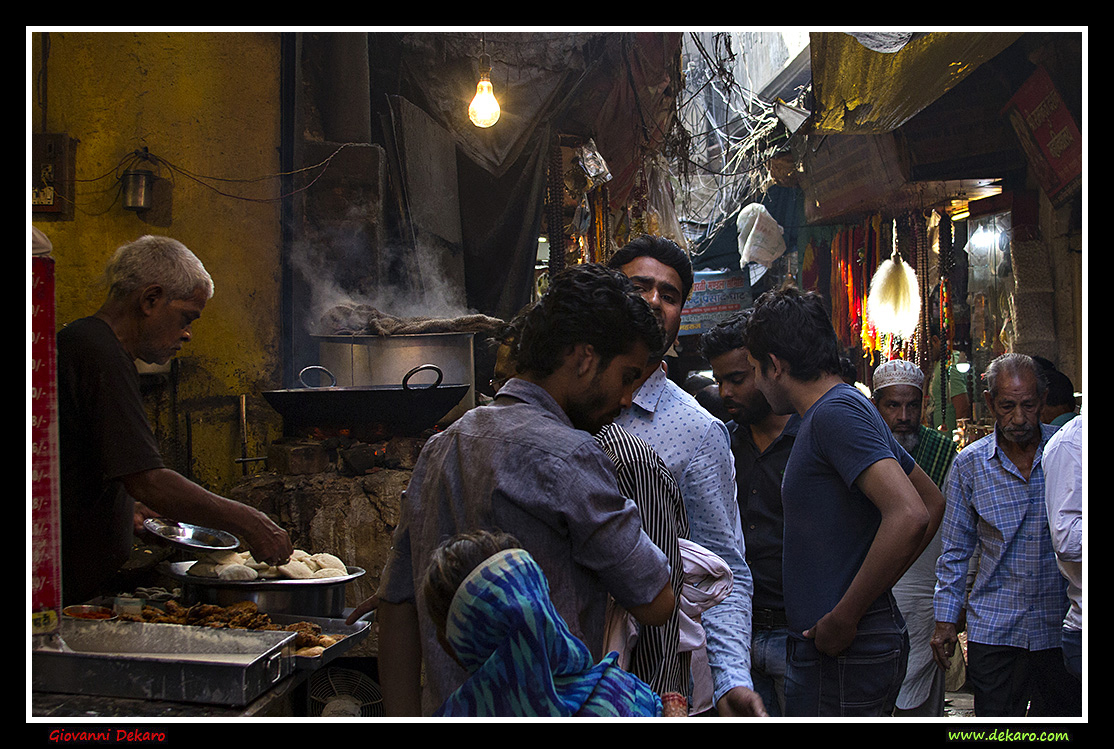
{"type": "Point", "coordinates": [346, 271]}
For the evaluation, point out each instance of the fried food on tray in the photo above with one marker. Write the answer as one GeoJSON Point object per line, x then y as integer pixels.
{"type": "Point", "coordinates": [240, 615]}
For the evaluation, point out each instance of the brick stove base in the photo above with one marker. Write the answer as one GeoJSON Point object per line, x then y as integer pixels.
{"type": "Point", "coordinates": [341, 506]}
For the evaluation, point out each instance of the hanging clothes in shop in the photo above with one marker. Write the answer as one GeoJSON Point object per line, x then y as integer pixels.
{"type": "Point", "coordinates": [869, 339]}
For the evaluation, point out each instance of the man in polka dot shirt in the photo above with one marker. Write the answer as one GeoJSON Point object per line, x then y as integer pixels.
{"type": "Point", "coordinates": [696, 447]}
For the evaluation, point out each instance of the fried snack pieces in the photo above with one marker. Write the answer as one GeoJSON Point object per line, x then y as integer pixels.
{"type": "Point", "coordinates": [308, 638]}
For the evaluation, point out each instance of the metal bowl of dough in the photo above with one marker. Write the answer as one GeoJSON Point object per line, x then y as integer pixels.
{"type": "Point", "coordinates": [191, 537]}
{"type": "Point", "coordinates": [323, 596]}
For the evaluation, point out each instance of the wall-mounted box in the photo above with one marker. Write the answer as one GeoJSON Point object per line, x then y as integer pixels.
{"type": "Point", "coordinates": [52, 175]}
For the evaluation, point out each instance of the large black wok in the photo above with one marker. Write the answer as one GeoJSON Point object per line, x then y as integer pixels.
{"type": "Point", "coordinates": [403, 409]}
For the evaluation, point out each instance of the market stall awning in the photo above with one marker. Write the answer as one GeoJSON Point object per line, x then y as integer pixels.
{"type": "Point", "coordinates": [876, 82]}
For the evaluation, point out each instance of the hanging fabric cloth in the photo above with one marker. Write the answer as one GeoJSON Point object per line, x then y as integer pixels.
{"type": "Point", "coordinates": [869, 336]}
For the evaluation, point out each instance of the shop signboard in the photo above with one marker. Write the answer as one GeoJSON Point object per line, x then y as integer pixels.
{"type": "Point", "coordinates": [716, 295]}
{"type": "Point", "coordinates": [1049, 135]}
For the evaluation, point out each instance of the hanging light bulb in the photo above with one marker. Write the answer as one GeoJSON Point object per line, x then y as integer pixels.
{"type": "Point", "coordinates": [484, 109]}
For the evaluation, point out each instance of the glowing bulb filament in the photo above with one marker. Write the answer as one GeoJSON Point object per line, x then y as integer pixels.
{"type": "Point", "coordinates": [484, 109]}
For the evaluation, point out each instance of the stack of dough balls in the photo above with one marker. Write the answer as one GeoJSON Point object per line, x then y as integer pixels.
{"type": "Point", "coordinates": [239, 565]}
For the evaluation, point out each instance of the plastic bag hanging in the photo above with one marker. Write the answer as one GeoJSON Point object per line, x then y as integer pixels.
{"type": "Point", "coordinates": [761, 238]}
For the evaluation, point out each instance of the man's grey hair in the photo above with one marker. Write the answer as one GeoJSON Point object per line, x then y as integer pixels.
{"type": "Point", "coordinates": [1011, 365]}
{"type": "Point", "coordinates": [157, 260]}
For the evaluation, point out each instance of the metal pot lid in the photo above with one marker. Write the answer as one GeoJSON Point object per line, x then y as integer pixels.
{"type": "Point", "coordinates": [191, 537]}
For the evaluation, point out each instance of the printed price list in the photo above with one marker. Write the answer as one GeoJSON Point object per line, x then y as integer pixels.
{"type": "Point", "coordinates": [46, 591]}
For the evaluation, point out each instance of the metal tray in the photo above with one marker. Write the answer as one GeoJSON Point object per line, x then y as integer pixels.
{"type": "Point", "coordinates": [164, 662]}
{"type": "Point", "coordinates": [353, 635]}
{"type": "Point", "coordinates": [191, 537]}
{"type": "Point", "coordinates": [323, 597]}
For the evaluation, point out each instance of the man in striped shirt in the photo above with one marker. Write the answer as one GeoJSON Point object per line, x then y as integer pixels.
{"type": "Point", "coordinates": [996, 506]}
{"type": "Point", "coordinates": [644, 478]}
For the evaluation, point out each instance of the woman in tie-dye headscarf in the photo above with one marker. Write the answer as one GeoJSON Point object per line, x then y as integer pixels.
{"type": "Point", "coordinates": [490, 603]}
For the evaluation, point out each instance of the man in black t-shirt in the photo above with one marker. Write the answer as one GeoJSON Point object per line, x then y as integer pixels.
{"type": "Point", "coordinates": [761, 441]}
{"type": "Point", "coordinates": [111, 469]}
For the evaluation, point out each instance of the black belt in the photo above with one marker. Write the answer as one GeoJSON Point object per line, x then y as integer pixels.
{"type": "Point", "coordinates": [768, 619]}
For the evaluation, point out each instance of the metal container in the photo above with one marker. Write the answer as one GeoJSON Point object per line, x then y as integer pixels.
{"type": "Point", "coordinates": [140, 660]}
{"type": "Point", "coordinates": [190, 537]}
{"type": "Point", "coordinates": [381, 409]}
{"type": "Point", "coordinates": [87, 612]}
{"type": "Point", "coordinates": [370, 360]}
{"type": "Point", "coordinates": [322, 597]}
{"type": "Point", "coordinates": [354, 634]}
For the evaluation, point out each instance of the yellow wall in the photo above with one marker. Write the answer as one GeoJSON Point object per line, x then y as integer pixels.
{"type": "Point", "coordinates": [209, 104]}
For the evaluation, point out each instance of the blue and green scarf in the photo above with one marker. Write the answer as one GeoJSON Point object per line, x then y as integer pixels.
{"type": "Point", "coordinates": [521, 657]}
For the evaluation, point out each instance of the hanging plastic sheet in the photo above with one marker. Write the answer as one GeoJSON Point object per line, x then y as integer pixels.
{"type": "Point", "coordinates": [659, 201]}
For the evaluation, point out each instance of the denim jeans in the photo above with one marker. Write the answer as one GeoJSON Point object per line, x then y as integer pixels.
{"type": "Point", "coordinates": [863, 680]}
{"type": "Point", "coordinates": [767, 668]}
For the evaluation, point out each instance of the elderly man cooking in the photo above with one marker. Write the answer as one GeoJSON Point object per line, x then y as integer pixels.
{"type": "Point", "coordinates": [112, 473]}
{"type": "Point", "coordinates": [898, 394]}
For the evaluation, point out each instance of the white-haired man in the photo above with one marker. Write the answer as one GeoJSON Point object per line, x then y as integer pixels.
{"type": "Point", "coordinates": [996, 508]}
{"type": "Point", "coordinates": [898, 394]}
{"type": "Point", "coordinates": [112, 472]}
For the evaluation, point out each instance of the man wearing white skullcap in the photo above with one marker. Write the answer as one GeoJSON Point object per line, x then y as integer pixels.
{"type": "Point", "coordinates": [898, 394]}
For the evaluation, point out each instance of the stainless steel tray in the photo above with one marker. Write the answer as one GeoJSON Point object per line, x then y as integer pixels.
{"type": "Point", "coordinates": [164, 662]}
{"type": "Point", "coordinates": [353, 635]}
{"type": "Point", "coordinates": [323, 597]}
{"type": "Point", "coordinates": [191, 537]}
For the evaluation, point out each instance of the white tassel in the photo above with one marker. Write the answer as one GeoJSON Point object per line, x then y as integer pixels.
{"type": "Point", "coordinates": [893, 304]}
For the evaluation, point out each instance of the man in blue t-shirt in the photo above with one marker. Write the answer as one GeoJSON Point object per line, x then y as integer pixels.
{"type": "Point", "coordinates": [858, 511]}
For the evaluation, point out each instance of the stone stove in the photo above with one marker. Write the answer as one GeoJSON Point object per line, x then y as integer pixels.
{"type": "Point", "coordinates": [337, 495]}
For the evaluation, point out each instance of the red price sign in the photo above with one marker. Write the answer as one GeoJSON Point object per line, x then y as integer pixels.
{"type": "Point", "coordinates": [46, 588]}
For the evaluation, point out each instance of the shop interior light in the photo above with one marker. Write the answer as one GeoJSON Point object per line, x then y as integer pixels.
{"type": "Point", "coordinates": [984, 239]}
{"type": "Point", "coordinates": [484, 109]}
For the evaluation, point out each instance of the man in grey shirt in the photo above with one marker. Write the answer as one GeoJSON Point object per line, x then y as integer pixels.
{"type": "Point", "coordinates": [528, 465]}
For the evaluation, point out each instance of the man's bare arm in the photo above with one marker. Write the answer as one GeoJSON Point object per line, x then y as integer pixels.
{"type": "Point", "coordinates": [656, 613]}
{"type": "Point", "coordinates": [174, 496]}
{"type": "Point", "coordinates": [905, 520]}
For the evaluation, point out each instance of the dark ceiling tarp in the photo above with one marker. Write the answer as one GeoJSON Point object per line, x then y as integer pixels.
{"type": "Point", "coordinates": [531, 74]}
{"type": "Point", "coordinates": [617, 88]}
{"type": "Point", "coordinates": [874, 83]}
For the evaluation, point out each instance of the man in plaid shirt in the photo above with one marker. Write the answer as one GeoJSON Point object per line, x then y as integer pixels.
{"type": "Point", "coordinates": [995, 506]}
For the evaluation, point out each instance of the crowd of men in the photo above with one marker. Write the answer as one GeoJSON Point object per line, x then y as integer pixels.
{"type": "Point", "coordinates": [853, 544]}
{"type": "Point", "coordinates": [848, 526]}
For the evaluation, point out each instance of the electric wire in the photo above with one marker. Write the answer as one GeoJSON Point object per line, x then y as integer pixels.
{"type": "Point", "coordinates": [143, 156]}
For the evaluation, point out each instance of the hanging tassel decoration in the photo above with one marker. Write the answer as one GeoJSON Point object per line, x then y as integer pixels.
{"type": "Point", "coordinates": [894, 301]}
